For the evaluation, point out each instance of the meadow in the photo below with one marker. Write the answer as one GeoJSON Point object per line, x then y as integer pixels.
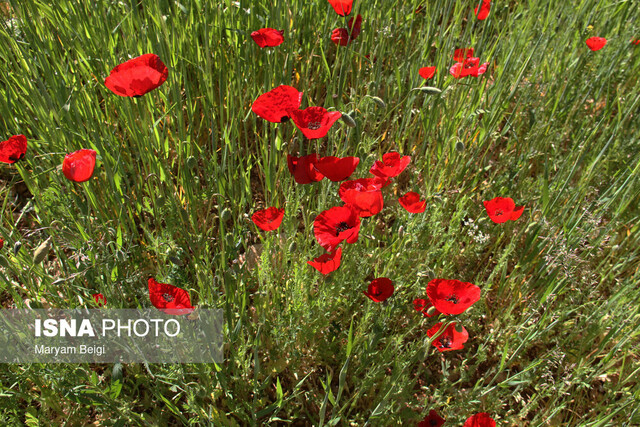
{"type": "Point", "coordinates": [554, 339]}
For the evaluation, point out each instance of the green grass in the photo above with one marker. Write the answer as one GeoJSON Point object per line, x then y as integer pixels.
{"type": "Point", "coordinates": [554, 339]}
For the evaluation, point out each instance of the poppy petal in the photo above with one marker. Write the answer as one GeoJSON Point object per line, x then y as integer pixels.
{"type": "Point", "coordinates": [363, 194]}
{"type": "Point", "coordinates": [481, 419]}
{"type": "Point", "coordinates": [452, 296]}
{"type": "Point", "coordinates": [304, 168]}
{"type": "Point", "coordinates": [336, 224]}
{"type": "Point", "coordinates": [13, 149]}
{"type": "Point", "coordinates": [500, 209]}
{"type": "Point", "coordinates": [460, 55]}
{"type": "Point", "coordinates": [99, 299]}
{"type": "Point", "coordinates": [342, 7]}
{"type": "Point", "coordinates": [268, 219]}
{"type": "Point", "coordinates": [485, 8]}
{"type": "Point", "coordinates": [79, 165]}
{"type": "Point", "coordinates": [268, 37]}
{"type": "Point", "coordinates": [336, 168]}
{"type": "Point", "coordinates": [137, 76]}
{"type": "Point", "coordinates": [427, 72]}
{"type": "Point", "coordinates": [169, 299]}
{"type": "Point", "coordinates": [314, 122]}
{"type": "Point", "coordinates": [517, 213]}
{"type": "Point", "coordinates": [596, 43]}
{"type": "Point", "coordinates": [432, 420]}
{"type": "Point", "coordinates": [450, 339]}
{"type": "Point", "coordinates": [379, 289]}
{"type": "Point", "coordinates": [328, 262]}
{"type": "Point", "coordinates": [276, 105]}
{"type": "Point", "coordinates": [412, 203]}
{"type": "Point", "coordinates": [391, 165]}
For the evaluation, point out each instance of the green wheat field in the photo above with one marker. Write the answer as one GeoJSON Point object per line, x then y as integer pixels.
{"type": "Point", "coordinates": [554, 339]}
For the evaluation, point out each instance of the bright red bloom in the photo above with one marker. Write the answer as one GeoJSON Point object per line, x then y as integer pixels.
{"type": "Point", "coordinates": [470, 67]}
{"type": "Point", "coordinates": [432, 420]}
{"type": "Point", "coordinates": [268, 219]}
{"type": "Point", "coordinates": [342, 7]}
{"type": "Point", "coordinates": [169, 299]}
{"type": "Point", "coordinates": [596, 43]}
{"type": "Point", "coordinates": [412, 203]}
{"type": "Point", "coordinates": [344, 36]}
{"type": "Point", "coordinates": [481, 419]}
{"type": "Point", "coordinates": [636, 42]}
{"type": "Point", "coordinates": [427, 72]}
{"type": "Point", "coordinates": [303, 168]}
{"type": "Point", "coordinates": [315, 122]}
{"type": "Point", "coordinates": [100, 299]}
{"type": "Point", "coordinates": [1, 243]}
{"type": "Point", "coordinates": [78, 166]}
{"type": "Point", "coordinates": [379, 289]}
{"type": "Point", "coordinates": [137, 76]}
{"type": "Point", "coordinates": [485, 8]}
{"type": "Point", "coordinates": [334, 225]}
{"type": "Point", "coordinates": [337, 168]}
{"type": "Point", "coordinates": [268, 37]}
{"type": "Point", "coordinates": [392, 164]}
{"type": "Point", "coordinates": [452, 296]}
{"type": "Point", "coordinates": [450, 338]}
{"type": "Point", "coordinates": [328, 262]}
{"type": "Point", "coordinates": [503, 209]}
{"type": "Point", "coordinates": [276, 105]}
{"type": "Point", "coordinates": [423, 306]}
{"type": "Point", "coordinates": [459, 55]}
{"type": "Point", "coordinates": [13, 149]}
{"type": "Point", "coordinates": [363, 194]}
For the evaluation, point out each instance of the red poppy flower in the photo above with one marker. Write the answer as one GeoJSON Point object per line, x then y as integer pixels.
{"type": "Point", "coordinates": [1, 243]}
{"type": "Point", "coordinates": [432, 420]}
{"type": "Point", "coordinates": [169, 299]}
{"type": "Point", "coordinates": [268, 37]}
{"type": "Point", "coordinates": [636, 42]}
{"type": "Point", "coordinates": [363, 194]}
{"type": "Point", "coordinates": [503, 209]}
{"type": "Point", "coordinates": [470, 67]}
{"type": "Point", "coordinates": [276, 105]}
{"type": "Point", "coordinates": [328, 262]}
{"type": "Point", "coordinates": [596, 43]}
{"type": "Point", "coordinates": [423, 306]}
{"type": "Point", "coordinates": [459, 55]}
{"type": "Point", "coordinates": [412, 203]}
{"type": "Point", "coordinates": [485, 8]}
{"type": "Point", "coordinates": [268, 219]}
{"type": "Point", "coordinates": [340, 36]}
{"type": "Point", "coordinates": [427, 72]}
{"type": "Point", "coordinates": [379, 289]}
{"type": "Point", "coordinates": [137, 76]}
{"type": "Point", "coordinates": [334, 225]}
{"type": "Point", "coordinates": [481, 419]}
{"type": "Point", "coordinates": [337, 168]}
{"type": "Point", "coordinates": [392, 164]}
{"type": "Point", "coordinates": [78, 166]}
{"type": "Point", "coordinates": [450, 338]}
{"type": "Point", "coordinates": [13, 149]}
{"type": "Point", "coordinates": [100, 299]}
{"type": "Point", "coordinates": [342, 7]}
{"type": "Point", "coordinates": [303, 168]}
{"type": "Point", "coordinates": [452, 296]}
{"type": "Point", "coordinates": [314, 122]}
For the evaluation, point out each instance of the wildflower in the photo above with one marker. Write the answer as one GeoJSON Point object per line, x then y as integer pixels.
{"type": "Point", "coordinates": [470, 67]}
{"type": "Point", "coordinates": [268, 219]}
{"type": "Point", "coordinates": [342, 7]}
{"type": "Point", "coordinates": [481, 419]}
{"type": "Point", "coordinates": [392, 165]}
{"type": "Point", "coordinates": [344, 36]}
{"type": "Point", "coordinates": [452, 296]}
{"type": "Point", "coordinates": [596, 43]}
{"type": "Point", "coordinates": [337, 168]}
{"type": "Point", "coordinates": [334, 225]}
{"type": "Point", "coordinates": [276, 105]}
{"type": "Point", "coordinates": [13, 149]}
{"type": "Point", "coordinates": [79, 165]}
{"type": "Point", "coordinates": [328, 262]}
{"type": "Point", "coordinates": [427, 72]}
{"type": "Point", "coordinates": [268, 37]}
{"type": "Point", "coordinates": [363, 194]}
{"type": "Point", "coordinates": [314, 122]}
{"type": "Point", "coordinates": [450, 339]}
{"type": "Point", "coordinates": [423, 306]}
{"type": "Point", "coordinates": [379, 289]}
{"type": "Point", "coordinates": [412, 203]}
{"type": "Point", "coordinates": [137, 76]}
{"type": "Point", "coordinates": [432, 420]}
{"type": "Point", "coordinates": [169, 299]}
{"type": "Point", "coordinates": [503, 209]}
{"type": "Point", "coordinates": [100, 299]}
{"type": "Point", "coordinates": [485, 8]}
{"type": "Point", "coordinates": [303, 168]}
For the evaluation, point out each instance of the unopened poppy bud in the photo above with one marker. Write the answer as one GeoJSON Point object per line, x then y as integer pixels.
{"type": "Point", "coordinates": [431, 311]}
{"type": "Point", "coordinates": [226, 215]}
{"type": "Point", "coordinates": [192, 162]}
{"type": "Point", "coordinates": [401, 231]}
{"type": "Point", "coordinates": [229, 239]}
{"type": "Point", "coordinates": [177, 261]}
{"type": "Point", "coordinates": [293, 247]}
{"type": "Point", "coordinates": [379, 102]}
{"type": "Point", "coordinates": [16, 247]}
{"type": "Point", "coordinates": [159, 201]}
{"type": "Point", "coordinates": [430, 90]}
{"type": "Point", "coordinates": [42, 251]}
{"type": "Point", "coordinates": [348, 120]}
{"type": "Point", "coordinates": [459, 328]}
{"type": "Point", "coordinates": [460, 146]}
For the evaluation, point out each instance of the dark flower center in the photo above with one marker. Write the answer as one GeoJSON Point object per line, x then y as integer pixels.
{"type": "Point", "coordinates": [137, 96]}
{"type": "Point", "coordinates": [433, 422]}
{"type": "Point", "coordinates": [499, 212]}
{"type": "Point", "coordinates": [284, 119]}
{"type": "Point", "coordinates": [445, 342]}
{"type": "Point", "coordinates": [468, 65]}
{"type": "Point", "coordinates": [167, 297]}
{"type": "Point", "coordinates": [15, 159]}
{"type": "Point", "coordinates": [343, 226]}
{"type": "Point", "coordinates": [452, 298]}
{"type": "Point", "coordinates": [314, 125]}
{"type": "Point", "coordinates": [375, 290]}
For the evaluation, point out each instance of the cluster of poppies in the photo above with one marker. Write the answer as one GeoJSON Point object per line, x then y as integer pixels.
{"type": "Point", "coordinates": [481, 419]}
{"type": "Point", "coordinates": [465, 65]}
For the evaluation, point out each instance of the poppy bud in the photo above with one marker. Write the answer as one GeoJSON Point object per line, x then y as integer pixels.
{"type": "Point", "coordinates": [430, 90]}
{"type": "Point", "coordinates": [226, 216]}
{"type": "Point", "coordinates": [379, 102]}
{"type": "Point", "coordinates": [16, 247]}
{"type": "Point", "coordinates": [192, 162]}
{"type": "Point", "coordinates": [229, 239]}
{"type": "Point", "coordinates": [177, 261]}
{"type": "Point", "coordinates": [42, 251]}
{"type": "Point", "coordinates": [401, 231]}
{"type": "Point", "coordinates": [459, 328]}
{"type": "Point", "coordinates": [159, 201]}
{"type": "Point", "coordinates": [460, 146]}
{"type": "Point", "coordinates": [431, 311]}
{"type": "Point", "coordinates": [293, 247]}
{"type": "Point", "coordinates": [348, 120]}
